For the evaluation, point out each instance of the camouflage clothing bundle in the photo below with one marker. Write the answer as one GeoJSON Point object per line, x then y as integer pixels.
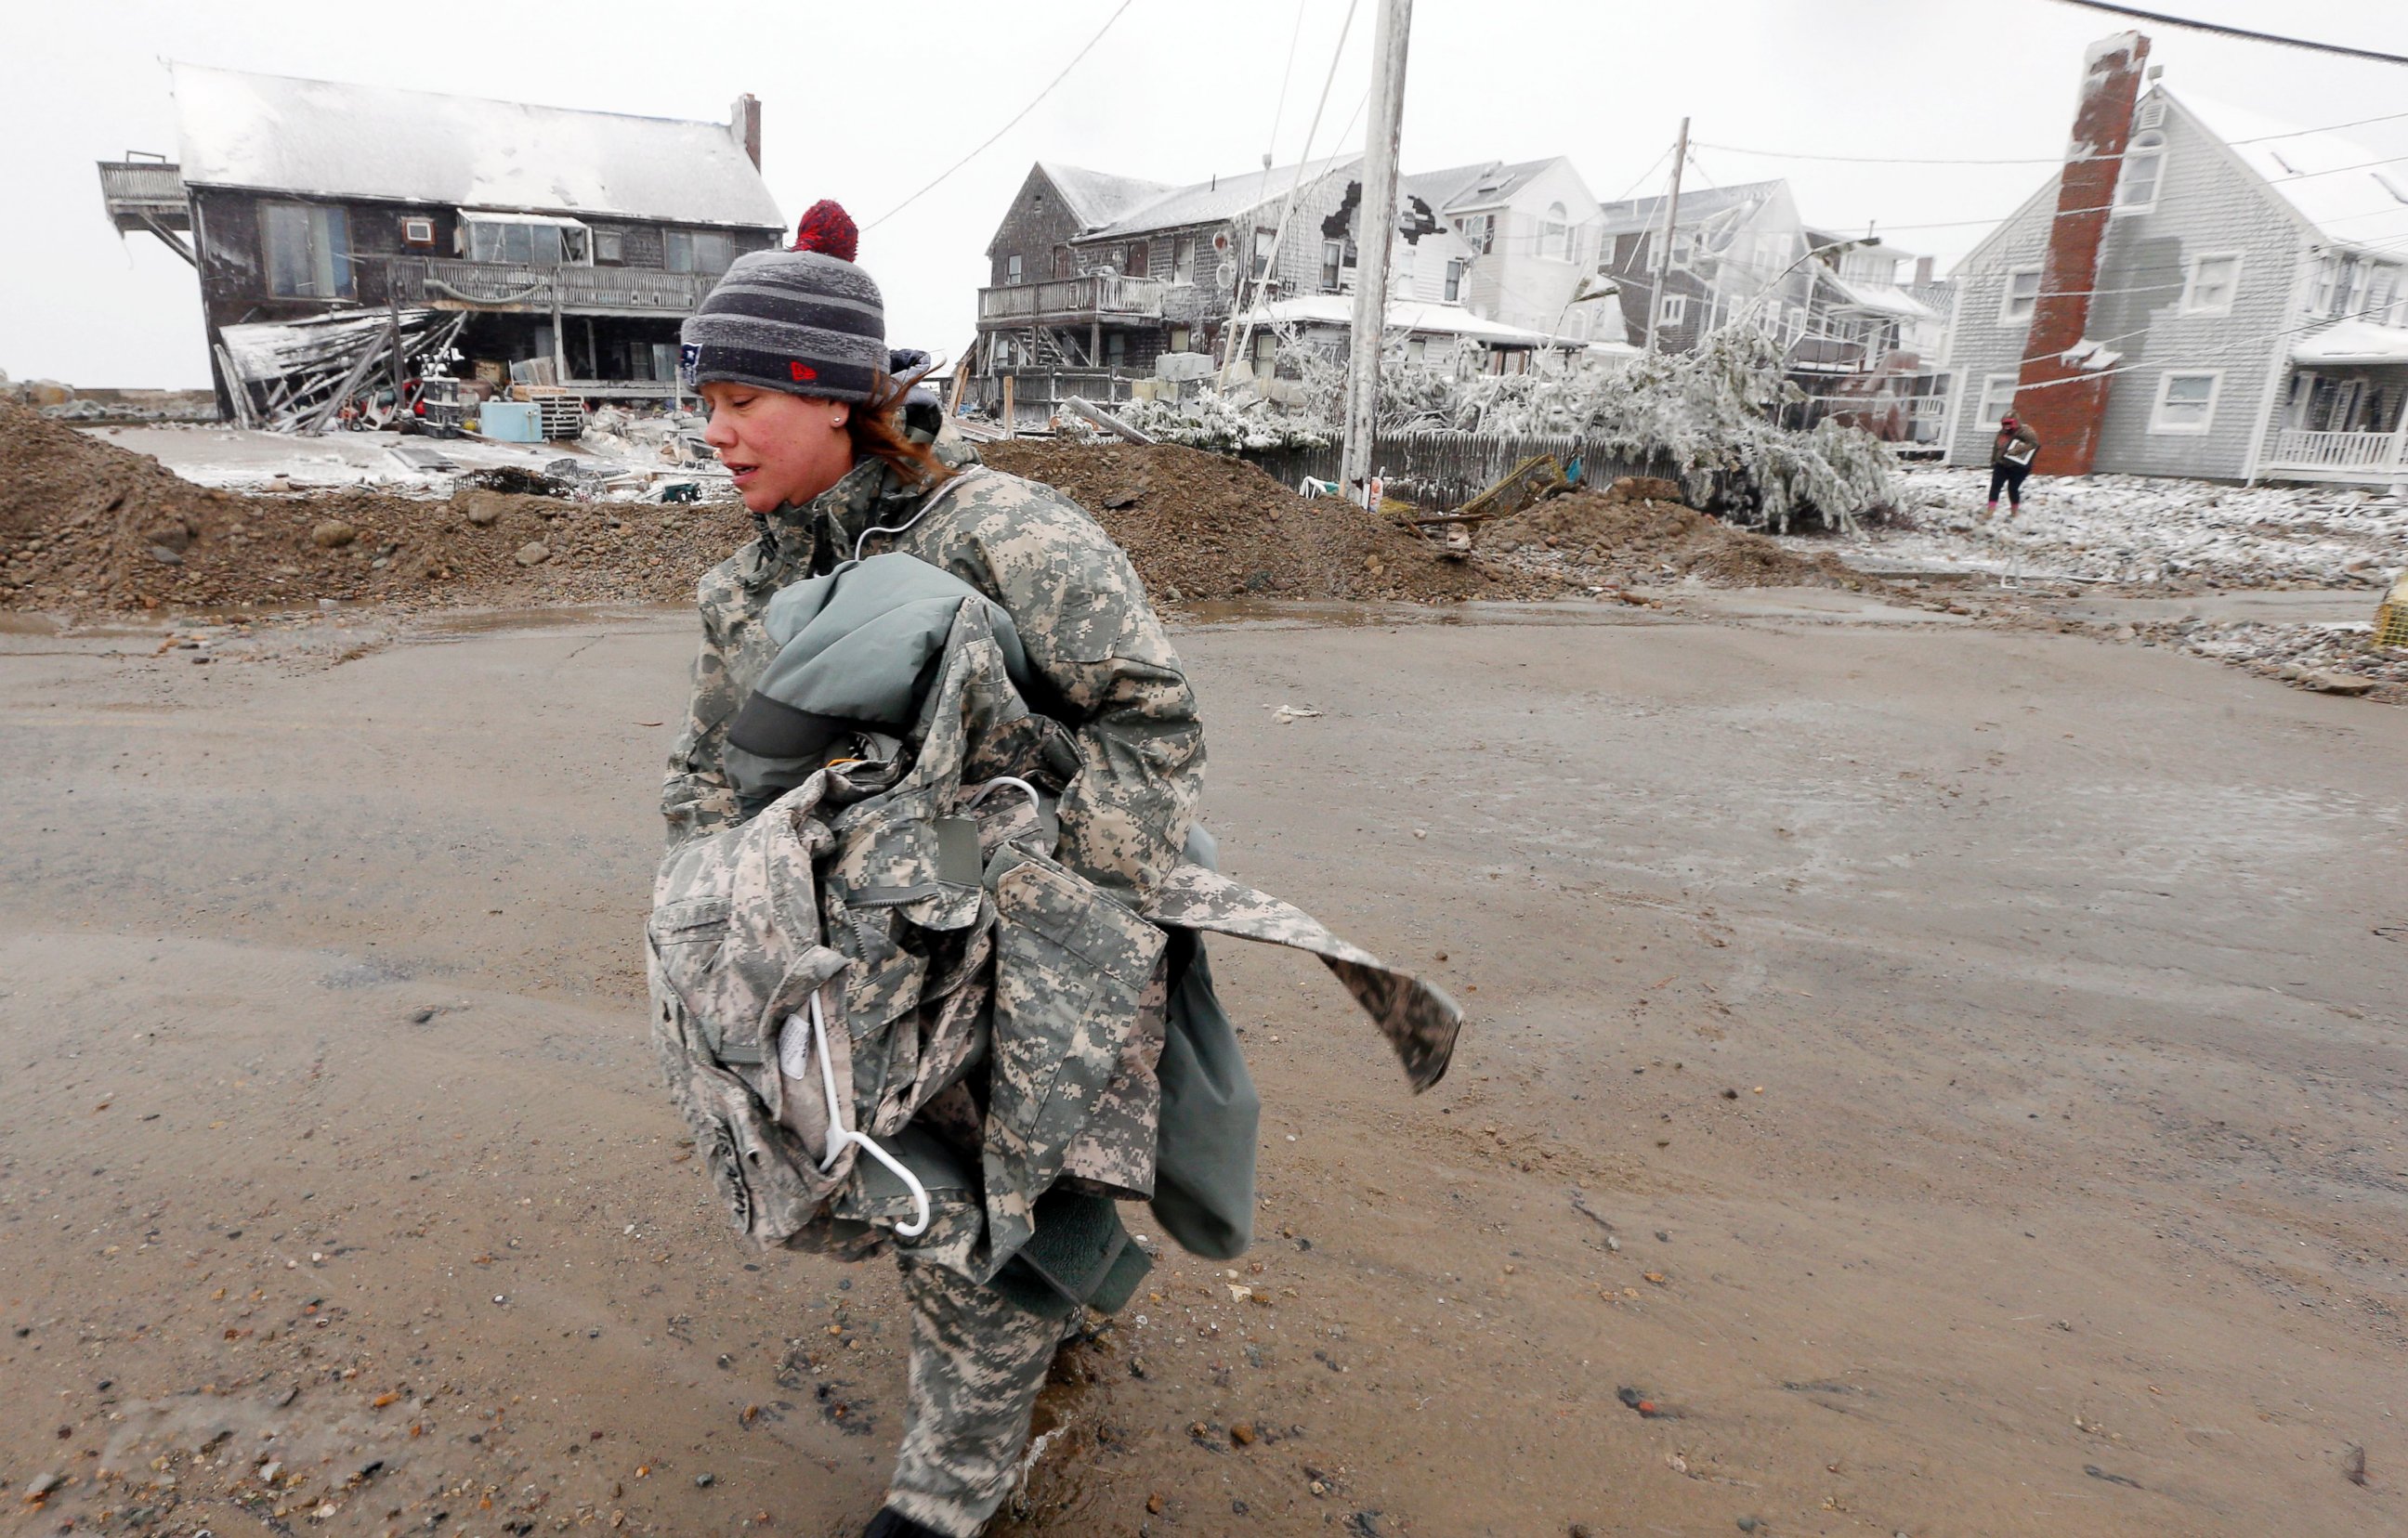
{"type": "Point", "coordinates": [990, 971]}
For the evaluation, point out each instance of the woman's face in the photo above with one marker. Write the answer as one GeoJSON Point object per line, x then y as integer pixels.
{"type": "Point", "coordinates": [783, 450]}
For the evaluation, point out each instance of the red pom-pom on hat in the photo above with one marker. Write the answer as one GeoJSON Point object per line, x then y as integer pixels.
{"type": "Point", "coordinates": [827, 229]}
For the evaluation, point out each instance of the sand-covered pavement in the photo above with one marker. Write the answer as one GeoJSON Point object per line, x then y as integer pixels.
{"type": "Point", "coordinates": [1952, 1076]}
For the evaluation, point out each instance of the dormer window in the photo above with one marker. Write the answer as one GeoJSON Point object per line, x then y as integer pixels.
{"type": "Point", "coordinates": [2144, 169]}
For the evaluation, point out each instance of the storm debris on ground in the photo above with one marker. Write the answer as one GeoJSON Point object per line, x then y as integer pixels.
{"type": "Point", "coordinates": [1635, 532]}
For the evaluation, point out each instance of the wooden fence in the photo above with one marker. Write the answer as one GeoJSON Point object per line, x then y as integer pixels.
{"type": "Point", "coordinates": [1448, 469]}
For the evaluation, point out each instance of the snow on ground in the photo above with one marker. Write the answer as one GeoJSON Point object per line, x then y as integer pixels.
{"type": "Point", "coordinates": [239, 459]}
{"type": "Point", "coordinates": [2174, 535]}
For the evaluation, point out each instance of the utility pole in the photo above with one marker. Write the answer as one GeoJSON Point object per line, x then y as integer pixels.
{"type": "Point", "coordinates": [1378, 232]}
{"type": "Point", "coordinates": [1664, 255]}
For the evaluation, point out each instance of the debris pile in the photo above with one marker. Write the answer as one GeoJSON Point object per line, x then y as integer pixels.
{"type": "Point", "coordinates": [1203, 529]}
{"type": "Point", "coordinates": [2164, 534]}
{"type": "Point", "coordinates": [2322, 658]}
{"type": "Point", "coordinates": [1637, 532]}
{"type": "Point", "coordinates": [294, 376]}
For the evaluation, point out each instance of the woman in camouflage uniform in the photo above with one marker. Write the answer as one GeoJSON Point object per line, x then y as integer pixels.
{"type": "Point", "coordinates": [789, 352]}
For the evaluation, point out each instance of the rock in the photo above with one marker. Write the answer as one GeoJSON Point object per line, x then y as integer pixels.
{"type": "Point", "coordinates": [481, 508]}
{"type": "Point", "coordinates": [166, 556]}
{"type": "Point", "coordinates": [2338, 683]}
{"type": "Point", "coordinates": [174, 534]}
{"type": "Point", "coordinates": [333, 535]}
{"type": "Point", "coordinates": [1242, 1433]}
{"type": "Point", "coordinates": [533, 554]}
{"type": "Point", "coordinates": [704, 1481]}
{"type": "Point", "coordinates": [42, 1485]}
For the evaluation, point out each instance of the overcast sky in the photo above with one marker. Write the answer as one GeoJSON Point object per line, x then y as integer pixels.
{"type": "Point", "coordinates": [867, 104]}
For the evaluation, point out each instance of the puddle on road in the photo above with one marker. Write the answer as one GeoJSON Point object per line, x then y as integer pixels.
{"type": "Point", "coordinates": [456, 625]}
{"type": "Point", "coordinates": [1332, 614]}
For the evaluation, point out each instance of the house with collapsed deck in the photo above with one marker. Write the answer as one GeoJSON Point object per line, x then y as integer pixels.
{"type": "Point", "coordinates": [549, 244]}
{"type": "Point", "coordinates": [2247, 300]}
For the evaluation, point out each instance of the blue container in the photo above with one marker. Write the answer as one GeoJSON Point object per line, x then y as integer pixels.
{"type": "Point", "coordinates": [511, 421]}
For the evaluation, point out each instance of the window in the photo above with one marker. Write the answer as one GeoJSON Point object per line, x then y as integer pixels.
{"type": "Point", "coordinates": [1333, 257]}
{"type": "Point", "coordinates": [698, 250]}
{"type": "Point", "coordinates": [2144, 169]}
{"type": "Point", "coordinates": [2022, 293]}
{"type": "Point", "coordinates": [2214, 280]}
{"type": "Point", "coordinates": [1115, 349]}
{"type": "Point", "coordinates": [1139, 261]}
{"type": "Point", "coordinates": [1061, 262]}
{"type": "Point", "coordinates": [2354, 288]}
{"type": "Point", "coordinates": [1997, 399]}
{"type": "Point", "coordinates": [2381, 290]}
{"type": "Point", "coordinates": [1672, 309]}
{"type": "Point", "coordinates": [1554, 234]}
{"type": "Point", "coordinates": [1480, 232]}
{"type": "Point", "coordinates": [2320, 298]}
{"type": "Point", "coordinates": [1454, 281]}
{"type": "Point", "coordinates": [1011, 271]}
{"type": "Point", "coordinates": [308, 251]}
{"type": "Point", "coordinates": [1179, 338]}
{"type": "Point", "coordinates": [526, 243]}
{"type": "Point", "coordinates": [1182, 260]}
{"type": "Point", "coordinates": [1266, 354]}
{"type": "Point", "coordinates": [2186, 402]}
{"type": "Point", "coordinates": [418, 231]}
{"type": "Point", "coordinates": [1263, 240]}
{"type": "Point", "coordinates": [1685, 245]}
{"type": "Point", "coordinates": [610, 245]}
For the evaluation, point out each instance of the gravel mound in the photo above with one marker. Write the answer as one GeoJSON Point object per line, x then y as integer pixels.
{"type": "Point", "coordinates": [87, 525]}
{"type": "Point", "coordinates": [1204, 528]}
{"type": "Point", "coordinates": [1633, 534]}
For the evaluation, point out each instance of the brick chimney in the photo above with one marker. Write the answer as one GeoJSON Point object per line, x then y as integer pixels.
{"type": "Point", "coordinates": [744, 125]}
{"type": "Point", "coordinates": [1922, 270]}
{"type": "Point", "coordinates": [2061, 401]}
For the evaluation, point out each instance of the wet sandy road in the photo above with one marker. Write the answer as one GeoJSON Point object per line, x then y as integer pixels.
{"type": "Point", "coordinates": [1954, 1077]}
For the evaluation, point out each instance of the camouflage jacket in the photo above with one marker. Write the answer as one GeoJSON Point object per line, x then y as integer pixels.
{"type": "Point", "coordinates": [1105, 668]}
{"type": "Point", "coordinates": [941, 935]}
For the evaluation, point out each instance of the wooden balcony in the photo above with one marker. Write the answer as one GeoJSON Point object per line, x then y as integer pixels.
{"type": "Point", "coordinates": [1066, 301]}
{"type": "Point", "coordinates": [144, 195]}
{"type": "Point", "coordinates": [2370, 459]}
{"type": "Point", "coordinates": [445, 283]}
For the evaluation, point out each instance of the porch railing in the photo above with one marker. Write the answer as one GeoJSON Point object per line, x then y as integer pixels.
{"type": "Point", "coordinates": [1095, 295]}
{"type": "Point", "coordinates": [2296, 449]}
{"type": "Point", "coordinates": [445, 283]}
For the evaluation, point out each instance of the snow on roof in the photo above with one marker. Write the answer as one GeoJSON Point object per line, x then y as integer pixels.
{"type": "Point", "coordinates": [1099, 197]}
{"type": "Point", "coordinates": [2353, 342]}
{"type": "Point", "coordinates": [1633, 215]}
{"type": "Point", "coordinates": [277, 134]}
{"type": "Point", "coordinates": [1461, 186]}
{"type": "Point", "coordinates": [1885, 298]}
{"type": "Point", "coordinates": [1225, 197]}
{"type": "Point", "coordinates": [2349, 191]}
{"type": "Point", "coordinates": [1426, 318]}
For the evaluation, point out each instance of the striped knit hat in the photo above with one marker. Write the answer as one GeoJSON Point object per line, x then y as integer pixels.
{"type": "Point", "coordinates": [805, 321]}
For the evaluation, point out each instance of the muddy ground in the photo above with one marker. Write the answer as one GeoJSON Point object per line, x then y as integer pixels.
{"type": "Point", "coordinates": [1950, 1076]}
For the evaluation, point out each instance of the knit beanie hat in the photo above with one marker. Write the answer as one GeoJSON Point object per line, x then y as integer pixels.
{"type": "Point", "coordinates": [805, 321]}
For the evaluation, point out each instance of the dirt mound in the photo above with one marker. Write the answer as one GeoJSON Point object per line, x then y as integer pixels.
{"type": "Point", "coordinates": [1203, 528]}
{"type": "Point", "coordinates": [85, 524]}
{"type": "Point", "coordinates": [1633, 534]}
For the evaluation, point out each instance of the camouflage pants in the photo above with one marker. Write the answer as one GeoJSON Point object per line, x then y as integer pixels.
{"type": "Point", "coordinates": [978, 1360]}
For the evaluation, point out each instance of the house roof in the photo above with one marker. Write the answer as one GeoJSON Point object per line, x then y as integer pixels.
{"type": "Point", "coordinates": [1462, 187]}
{"type": "Point", "coordinates": [1224, 197]}
{"type": "Point", "coordinates": [276, 134]}
{"type": "Point", "coordinates": [1099, 197]}
{"type": "Point", "coordinates": [1880, 298]}
{"type": "Point", "coordinates": [1426, 318]}
{"type": "Point", "coordinates": [2349, 191]}
{"type": "Point", "coordinates": [1697, 205]}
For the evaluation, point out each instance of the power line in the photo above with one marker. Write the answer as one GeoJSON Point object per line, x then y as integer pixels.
{"type": "Point", "coordinates": [2242, 33]}
{"type": "Point", "coordinates": [1872, 159]}
{"type": "Point", "coordinates": [1279, 111]}
{"type": "Point", "coordinates": [1007, 127]}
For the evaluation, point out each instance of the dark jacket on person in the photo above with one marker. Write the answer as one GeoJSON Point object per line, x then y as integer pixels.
{"type": "Point", "coordinates": [2008, 437]}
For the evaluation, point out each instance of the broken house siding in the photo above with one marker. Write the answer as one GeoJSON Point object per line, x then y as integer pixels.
{"type": "Point", "coordinates": [2206, 206]}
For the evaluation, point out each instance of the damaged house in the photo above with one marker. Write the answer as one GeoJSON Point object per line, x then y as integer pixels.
{"type": "Point", "coordinates": [1094, 279]}
{"type": "Point", "coordinates": [2210, 293]}
{"type": "Point", "coordinates": [538, 244]}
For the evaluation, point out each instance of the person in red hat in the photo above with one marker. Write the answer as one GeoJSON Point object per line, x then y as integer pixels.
{"type": "Point", "coordinates": [2011, 460]}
